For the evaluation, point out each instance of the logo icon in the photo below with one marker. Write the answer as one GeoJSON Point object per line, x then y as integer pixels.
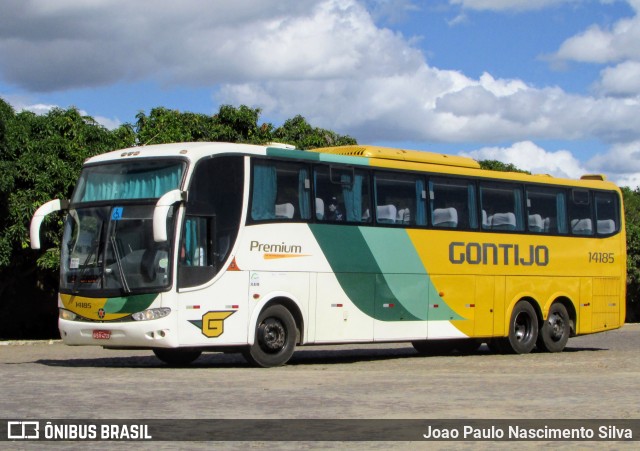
{"type": "Point", "coordinates": [23, 430]}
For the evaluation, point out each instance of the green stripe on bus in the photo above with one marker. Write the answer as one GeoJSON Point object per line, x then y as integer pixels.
{"type": "Point", "coordinates": [381, 265]}
{"type": "Point", "coordinates": [317, 156]}
{"type": "Point", "coordinates": [129, 304]}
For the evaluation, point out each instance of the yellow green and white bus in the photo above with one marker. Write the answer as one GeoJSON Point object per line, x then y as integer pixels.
{"type": "Point", "coordinates": [191, 247]}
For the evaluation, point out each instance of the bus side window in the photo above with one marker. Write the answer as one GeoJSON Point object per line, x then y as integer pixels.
{"type": "Point", "coordinates": [343, 193]}
{"type": "Point", "coordinates": [580, 215]}
{"type": "Point", "coordinates": [400, 199]}
{"type": "Point", "coordinates": [606, 213]}
{"type": "Point", "coordinates": [546, 210]}
{"type": "Point", "coordinates": [281, 191]}
{"type": "Point", "coordinates": [501, 207]}
{"type": "Point", "coordinates": [453, 203]}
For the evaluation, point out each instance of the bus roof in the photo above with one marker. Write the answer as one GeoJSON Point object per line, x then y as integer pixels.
{"type": "Point", "coordinates": [414, 156]}
{"type": "Point", "coordinates": [364, 155]}
{"type": "Point", "coordinates": [190, 150]}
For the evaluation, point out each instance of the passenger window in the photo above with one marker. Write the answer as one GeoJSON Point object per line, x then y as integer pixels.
{"type": "Point", "coordinates": [606, 213]}
{"type": "Point", "coordinates": [342, 195]}
{"type": "Point", "coordinates": [281, 191]}
{"type": "Point", "coordinates": [501, 207]}
{"type": "Point", "coordinates": [400, 199]}
{"type": "Point", "coordinates": [580, 218]}
{"type": "Point", "coordinates": [546, 210]}
{"type": "Point", "coordinates": [453, 204]}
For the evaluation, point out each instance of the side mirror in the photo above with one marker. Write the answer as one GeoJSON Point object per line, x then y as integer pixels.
{"type": "Point", "coordinates": [161, 212]}
{"type": "Point", "coordinates": [38, 217]}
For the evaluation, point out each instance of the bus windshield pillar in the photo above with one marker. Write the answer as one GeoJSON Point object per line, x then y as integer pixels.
{"type": "Point", "coordinates": [161, 212]}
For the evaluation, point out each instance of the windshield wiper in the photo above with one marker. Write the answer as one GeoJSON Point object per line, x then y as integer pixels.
{"type": "Point", "coordinates": [116, 254]}
{"type": "Point", "coordinates": [94, 251]}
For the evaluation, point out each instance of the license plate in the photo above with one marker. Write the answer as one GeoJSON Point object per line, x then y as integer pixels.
{"type": "Point", "coordinates": [101, 334]}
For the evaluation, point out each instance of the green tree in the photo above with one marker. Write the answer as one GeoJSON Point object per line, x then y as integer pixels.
{"type": "Point", "coordinates": [41, 160]}
{"type": "Point", "coordinates": [495, 165]}
{"type": "Point", "coordinates": [231, 124]}
{"type": "Point", "coordinates": [632, 217]}
{"type": "Point", "coordinates": [299, 132]}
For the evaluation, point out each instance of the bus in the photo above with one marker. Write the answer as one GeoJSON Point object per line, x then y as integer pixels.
{"type": "Point", "coordinates": [213, 247]}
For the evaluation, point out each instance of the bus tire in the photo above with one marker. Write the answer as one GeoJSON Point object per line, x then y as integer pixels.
{"type": "Point", "coordinates": [523, 330]}
{"type": "Point", "coordinates": [555, 331]}
{"type": "Point", "coordinates": [177, 357]}
{"type": "Point", "coordinates": [275, 338]}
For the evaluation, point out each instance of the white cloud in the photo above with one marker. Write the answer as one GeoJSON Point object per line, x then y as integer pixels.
{"type": "Point", "coordinates": [597, 45]}
{"type": "Point", "coordinates": [621, 163]}
{"type": "Point", "coordinates": [530, 157]}
{"type": "Point", "coordinates": [325, 59]}
{"type": "Point", "coordinates": [198, 43]}
{"type": "Point", "coordinates": [616, 46]}
{"type": "Point", "coordinates": [508, 5]}
{"type": "Point", "coordinates": [108, 123]}
{"type": "Point", "coordinates": [622, 80]}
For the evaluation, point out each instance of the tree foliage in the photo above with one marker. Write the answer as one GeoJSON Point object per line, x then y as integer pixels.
{"type": "Point", "coordinates": [632, 219]}
{"type": "Point", "coordinates": [231, 124]}
{"type": "Point", "coordinates": [299, 132]}
{"type": "Point", "coordinates": [495, 165]}
{"type": "Point", "coordinates": [40, 160]}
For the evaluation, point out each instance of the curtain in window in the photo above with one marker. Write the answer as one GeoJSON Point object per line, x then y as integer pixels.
{"type": "Point", "coordinates": [421, 209]}
{"type": "Point", "coordinates": [352, 195]}
{"type": "Point", "coordinates": [562, 213]}
{"type": "Point", "coordinates": [138, 185]}
{"type": "Point", "coordinates": [518, 209]}
{"type": "Point", "coordinates": [190, 241]}
{"type": "Point", "coordinates": [473, 209]}
{"type": "Point", "coordinates": [303, 194]}
{"type": "Point", "coordinates": [265, 189]}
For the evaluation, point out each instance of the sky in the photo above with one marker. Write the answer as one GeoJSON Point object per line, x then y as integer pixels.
{"type": "Point", "coordinates": [552, 86]}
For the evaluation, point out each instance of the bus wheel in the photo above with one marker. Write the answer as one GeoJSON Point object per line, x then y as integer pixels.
{"type": "Point", "coordinates": [523, 330]}
{"type": "Point", "coordinates": [555, 331]}
{"type": "Point", "coordinates": [275, 338]}
{"type": "Point", "coordinates": [177, 357]}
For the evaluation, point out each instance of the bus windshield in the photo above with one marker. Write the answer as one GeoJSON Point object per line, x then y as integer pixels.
{"type": "Point", "coordinates": [109, 250]}
{"type": "Point", "coordinates": [136, 179]}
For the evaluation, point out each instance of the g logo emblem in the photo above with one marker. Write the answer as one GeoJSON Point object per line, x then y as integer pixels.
{"type": "Point", "coordinates": [213, 323]}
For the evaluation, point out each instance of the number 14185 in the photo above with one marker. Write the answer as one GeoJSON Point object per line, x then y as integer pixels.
{"type": "Point", "coordinates": [601, 257]}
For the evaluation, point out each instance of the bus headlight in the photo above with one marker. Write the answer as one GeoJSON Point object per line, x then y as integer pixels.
{"type": "Point", "coordinates": [67, 315]}
{"type": "Point", "coordinates": [153, 313]}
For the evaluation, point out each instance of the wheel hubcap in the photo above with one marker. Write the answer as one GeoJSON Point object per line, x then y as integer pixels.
{"type": "Point", "coordinates": [272, 335]}
{"type": "Point", "coordinates": [522, 327]}
{"type": "Point", "coordinates": [556, 327]}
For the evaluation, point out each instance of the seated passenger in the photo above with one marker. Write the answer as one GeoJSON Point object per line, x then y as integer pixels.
{"type": "Point", "coordinates": [334, 213]}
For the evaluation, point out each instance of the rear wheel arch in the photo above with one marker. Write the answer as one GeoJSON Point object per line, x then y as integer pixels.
{"type": "Point", "coordinates": [278, 299]}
